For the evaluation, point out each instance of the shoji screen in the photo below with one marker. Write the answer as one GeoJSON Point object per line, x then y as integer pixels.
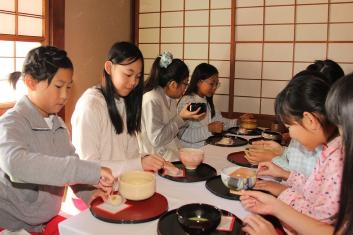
{"type": "Point", "coordinates": [193, 30]}
{"type": "Point", "coordinates": [276, 39]}
{"type": "Point", "coordinates": [257, 45]}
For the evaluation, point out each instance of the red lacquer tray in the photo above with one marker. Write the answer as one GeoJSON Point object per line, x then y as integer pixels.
{"type": "Point", "coordinates": [239, 159]}
{"type": "Point", "coordinates": [138, 211]}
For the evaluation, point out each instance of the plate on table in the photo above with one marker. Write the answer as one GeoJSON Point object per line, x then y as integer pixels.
{"type": "Point", "coordinates": [226, 141]}
{"type": "Point", "coordinates": [134, 212]}
{"type": "Point", "coordinates": [216, 186]}
{"type": "Point", "coordinates": [239, 159]}
{"type": "Point", "coordinates": [235, 131]}
{"type": "Point", "coordinates": [201, 173]}
{"type": "Point", "coordinates": [168, 225]}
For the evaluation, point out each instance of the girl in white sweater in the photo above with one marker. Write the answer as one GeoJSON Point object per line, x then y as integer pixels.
{"type": "Point", "coordinates": [108, 117]}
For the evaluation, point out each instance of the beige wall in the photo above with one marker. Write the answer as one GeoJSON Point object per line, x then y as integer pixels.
{"type": "Point", "coordinates": [91, 27]}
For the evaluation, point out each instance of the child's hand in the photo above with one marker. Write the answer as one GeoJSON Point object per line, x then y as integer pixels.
{"type": "Point", "coordinates": [259, 202]}
{"type": "Point", "coordinates": [152, 162]}
{"type": "Point", "coordinates": [216, 127]}
{"type": "Point", "coordinates": [260, 153]}
{"type": "Point", "coordinates": [274, 188]}
{"type": "Point", "coordinates": [99, 193]}
{"type": "Point", "coordinates": [106, 180]}
{"type": "Point", "coordinates": [271, 169]}
{"type": "Point", "coordinates": [257, 225]}
{"type": "Point", "coordinates": [185, 114]}
{"type": "Point", "coordinates": [255, 156]}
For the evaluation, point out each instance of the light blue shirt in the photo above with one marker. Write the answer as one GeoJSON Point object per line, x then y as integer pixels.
{"type": "Point", "coordinates": [297, 158]}
{"type": "Point", "coordinates": [194, 134]}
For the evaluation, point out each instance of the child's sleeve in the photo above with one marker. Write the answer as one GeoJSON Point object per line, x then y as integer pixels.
{"type": "Point", "coordinates": [319, 197]}
{"type": "Point", "coordinates": [282, 160]}
{"type": "Point", "coordinates": [158, 132]}
{"type": "Point", "coordinates": [25, 166]}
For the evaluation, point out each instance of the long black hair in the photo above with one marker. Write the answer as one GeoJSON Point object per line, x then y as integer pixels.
{"type": "Point", "coordinates": [202, 72]}
{"type": "Point", "coordinates": [42, 63]}
{"type": "Point", "coordinates": [124, 53]}
{"type": "Point", "coordinates": [176, 71]}
{"type": "Point", "coordinates": [339, 105]}
{"type": "Point", "coordinates": [306, 93]}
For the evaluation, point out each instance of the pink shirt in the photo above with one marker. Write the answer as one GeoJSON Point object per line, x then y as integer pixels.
{"type": "Point", "coordinates": [318, 195]}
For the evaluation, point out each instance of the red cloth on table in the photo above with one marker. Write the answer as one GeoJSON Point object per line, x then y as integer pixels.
{"type": "Point", "coordinates": [51, 227]}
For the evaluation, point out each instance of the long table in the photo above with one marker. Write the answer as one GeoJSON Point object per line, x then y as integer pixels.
{"type": "Point", "coordinates": [177, 195]}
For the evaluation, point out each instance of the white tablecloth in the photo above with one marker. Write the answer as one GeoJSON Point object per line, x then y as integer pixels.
{"type": "Point", "coordinates": [177, 194]}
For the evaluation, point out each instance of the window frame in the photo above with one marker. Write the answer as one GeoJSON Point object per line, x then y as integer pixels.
{"type": "Point", "coordinates": [53, 31]}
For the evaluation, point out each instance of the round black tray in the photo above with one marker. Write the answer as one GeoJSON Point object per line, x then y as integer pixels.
{"type": "Point", "coordinates": [216, 186]}
{"type": "Point", "coordinates": [201, 173]}
{"type": "Point", "coordinates": [138, 211]}
{"type": "Point", "coordinates": [239, 159]}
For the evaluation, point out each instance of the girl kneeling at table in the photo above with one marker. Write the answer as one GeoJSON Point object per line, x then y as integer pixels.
{"type": "Point", "coordinates": [296, 157]}
{"type": "Point", "coordinates": [301, 106]}
{"type": "Point", "coordinates": [108, 117]}
{"type": "Point", "coordinates": [339, 106]}
{"type": "Point", "coordinates": [160, 120]}
{"type": "Point", "coordinates": [37, 158]}
{"type": "Point", "coordinates": [203, 85]}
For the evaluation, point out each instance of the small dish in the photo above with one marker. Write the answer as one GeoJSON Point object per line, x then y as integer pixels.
{"type": "Point", "coordinates": [238, 178]}
{"type": "Point", "coordinates": [236, 141]}
{"type": "Point", "coordinates": [198, 218]}
{"type": "Point", "coordinates": [116, 199]}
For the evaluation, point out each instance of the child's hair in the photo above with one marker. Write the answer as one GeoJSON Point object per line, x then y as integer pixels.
{"type": "Point", "coordinates": [306, 93]}
{"type": "Point", "coordinates": [202, 72]}
{"type": "Point", "coordinates": [124, 53]}
{"type": "Point", "coordinates": [42, 63]}
{"type": "Point", "coordinates": [166, 69]}
{"type": "Point", "coordinates": [328, 68]}
{"type": "Point", "coordinates": [339, 106]}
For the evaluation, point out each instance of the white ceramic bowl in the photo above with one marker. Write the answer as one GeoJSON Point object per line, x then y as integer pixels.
{"type": "Point", "coordinates": [191, 157]}
{"type": "Point", "coordinates": [137, 185]}
{"type": "Point", "coordinates": [238, 182]}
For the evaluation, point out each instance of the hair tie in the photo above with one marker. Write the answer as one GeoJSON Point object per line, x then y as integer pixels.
{"type": "Point", "coordinates": [166, 59]}
{"type": "Point", "coordinates": [323, 68]}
